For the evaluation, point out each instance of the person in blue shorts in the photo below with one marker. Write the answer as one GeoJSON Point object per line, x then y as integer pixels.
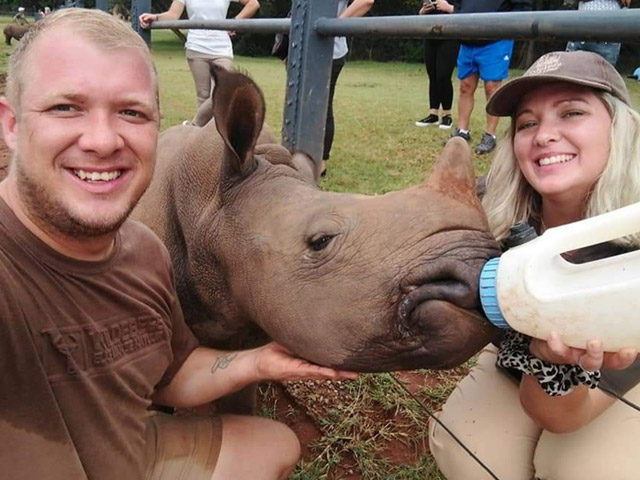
{"type": "Point", "coordinates": [488, 61]}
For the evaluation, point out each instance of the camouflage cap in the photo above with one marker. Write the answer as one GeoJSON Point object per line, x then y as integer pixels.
{"type": "Point", "coordinates": [581, 68]}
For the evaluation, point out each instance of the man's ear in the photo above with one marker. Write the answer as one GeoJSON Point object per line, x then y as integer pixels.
{"type": "Point", "coordinates": [8, 123]}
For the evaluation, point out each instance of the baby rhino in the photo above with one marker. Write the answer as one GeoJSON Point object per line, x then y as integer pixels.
{"type": "Point", "coordinates": [367, 283]}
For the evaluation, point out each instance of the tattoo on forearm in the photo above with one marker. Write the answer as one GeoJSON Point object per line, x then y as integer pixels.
{"type": "Point", "coordinates": [222, 362]}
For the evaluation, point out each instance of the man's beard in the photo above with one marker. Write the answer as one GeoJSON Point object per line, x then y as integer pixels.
{"type": "Point", "coordinates": [52, 216]}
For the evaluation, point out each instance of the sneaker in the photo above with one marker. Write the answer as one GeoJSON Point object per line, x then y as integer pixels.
{"type": "Point", "coordinates": [459, 133]}
{"type": "Point", "coordinates": [486, 145]}
{"type": "Point", "coordinates": [446, 122]}
{"type": "Point", "coordinates": [428, 121]}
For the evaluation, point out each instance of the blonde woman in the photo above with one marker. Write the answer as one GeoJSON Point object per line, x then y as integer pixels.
{"type": "Point", "coordinates": [572, 151]}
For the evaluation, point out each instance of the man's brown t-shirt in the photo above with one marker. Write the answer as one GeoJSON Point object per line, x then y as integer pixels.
{"type": "Point", "coordinates": [83, 345]}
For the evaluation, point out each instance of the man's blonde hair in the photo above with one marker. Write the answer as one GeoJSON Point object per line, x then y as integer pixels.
{"type": "Point", "coordinates": [98, 27]}
{"type": "Point", "coordinates": [510, 199]}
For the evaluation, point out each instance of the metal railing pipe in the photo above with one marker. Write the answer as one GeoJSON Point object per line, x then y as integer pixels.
{"type": "Point", "coordinates": [616, 25]}
{"type": "Point", "coordinates": [253, 25]}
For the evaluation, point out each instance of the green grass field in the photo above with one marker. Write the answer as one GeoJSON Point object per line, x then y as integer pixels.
{"type": "Point", "coordinates": [377, 149]}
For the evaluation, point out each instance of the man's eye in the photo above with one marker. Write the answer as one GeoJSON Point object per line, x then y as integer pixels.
{"type": "Point", "coordinates": [132, 113]}
{"type": "Point", "coordinates": [62, 108]}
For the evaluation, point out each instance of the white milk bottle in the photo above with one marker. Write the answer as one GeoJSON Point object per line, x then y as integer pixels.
{"type": "Point", "coordinates": [533, 290]}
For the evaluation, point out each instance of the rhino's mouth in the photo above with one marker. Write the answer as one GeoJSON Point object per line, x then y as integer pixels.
{"type": "Point", "coordinates": [449, 280]}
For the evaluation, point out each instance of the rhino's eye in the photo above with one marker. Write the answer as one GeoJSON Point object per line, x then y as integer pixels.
{"type": "Point", "coordinates": [320, 243]}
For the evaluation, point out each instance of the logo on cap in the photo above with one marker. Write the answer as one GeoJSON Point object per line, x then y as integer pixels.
{"type": "Point", "coordinates": [546, 64]}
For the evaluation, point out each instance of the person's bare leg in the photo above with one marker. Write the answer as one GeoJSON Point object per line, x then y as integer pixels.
{"type": "Point", "coordinates": [492, 122]}
{"type": "Point", "coordinates": [468, 87]}
{"type": "Point", "coordinates": [256, 448]}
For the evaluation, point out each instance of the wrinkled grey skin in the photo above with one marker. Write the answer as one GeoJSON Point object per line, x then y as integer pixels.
{"type": "Point", "coordinates": [367, 283]}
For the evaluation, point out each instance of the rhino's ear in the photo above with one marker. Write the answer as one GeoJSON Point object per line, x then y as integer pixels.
{"type": "Point", "coordinates": [453, 172]}
{"type": "Point", "coordinates": [238, 109]}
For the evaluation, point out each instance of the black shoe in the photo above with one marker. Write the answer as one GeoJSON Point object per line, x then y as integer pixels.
{"type": "Point", "coordinates": [486, 145]}
{"type": "Point", "coordinates": [459, 133]}
{"type": "Point", "coordinates": [323, 168]}
{"type": "Point", "coordinates": [428, 121]}
{"type": "Point", "coordinates": [446, 122]}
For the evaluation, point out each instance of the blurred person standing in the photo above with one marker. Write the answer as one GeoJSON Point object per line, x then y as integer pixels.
{"type": "Point", "coordinates": [609, 50]}
{"type": "Point", "coordinates": [485, 60]}
{"type": "Point", "coordinates": [357, 8]}
{"type": "Point", "coordinates": [204, 47]}
{"type": "Point", "coordinates": [20, 18]}
{"type": "Point", "coordinates": [439, 59]}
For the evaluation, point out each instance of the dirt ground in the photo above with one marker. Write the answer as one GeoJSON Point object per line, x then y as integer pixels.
{"type": "Point", "coordinates": [306, 406]}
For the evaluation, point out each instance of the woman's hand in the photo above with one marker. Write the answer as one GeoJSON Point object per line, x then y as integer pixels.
{"type": "Point", "coordinates": [174, 13]}
{"type": "Point", "coordinates": [427, 7]}
{"type": "Point", "coordinates": [590, 358]}
{"type": "Point", "coordinates": [146, 19]}
{"type": "Point", "coordinates": [275, 362]}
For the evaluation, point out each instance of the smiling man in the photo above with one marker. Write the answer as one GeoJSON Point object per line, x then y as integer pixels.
{"type": "Point", "coordinates": [83, 127]}
{"type": "Point", "coordinates": [91, 331]}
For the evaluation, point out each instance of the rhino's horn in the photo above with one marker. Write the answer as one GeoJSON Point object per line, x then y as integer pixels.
{"type": "Point", "coordinates": [238, 109]}
{"type": "Point", "coordinates": [453, 172]}
{"type": "Point", "coordinates": [306, 166]}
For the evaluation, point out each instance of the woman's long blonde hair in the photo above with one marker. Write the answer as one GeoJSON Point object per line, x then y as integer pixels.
{"type": "Point", "coordinates": [510, 199]}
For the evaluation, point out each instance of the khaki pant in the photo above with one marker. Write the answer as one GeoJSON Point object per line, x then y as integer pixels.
{"type": "Point", "coordinates": [200, 65]}
{"type": "Point", "coordinates": [182, 447]}
{"type": "Point", "coordinates": [484, 412]}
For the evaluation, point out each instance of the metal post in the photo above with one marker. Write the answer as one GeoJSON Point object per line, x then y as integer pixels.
{"type": "Point", "coordinates": [308, 76]}
{"type": "Point", "coordinates": [102, 5]}
{"type": "Point", "coordinates": [139, 7]}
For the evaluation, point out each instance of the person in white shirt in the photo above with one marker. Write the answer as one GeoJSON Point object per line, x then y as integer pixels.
{"type": "Point", "coordinates": [204, 47]}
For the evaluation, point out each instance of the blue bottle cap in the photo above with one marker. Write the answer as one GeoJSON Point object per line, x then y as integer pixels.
{"type": "Point", "coordinates": [489, 294]}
